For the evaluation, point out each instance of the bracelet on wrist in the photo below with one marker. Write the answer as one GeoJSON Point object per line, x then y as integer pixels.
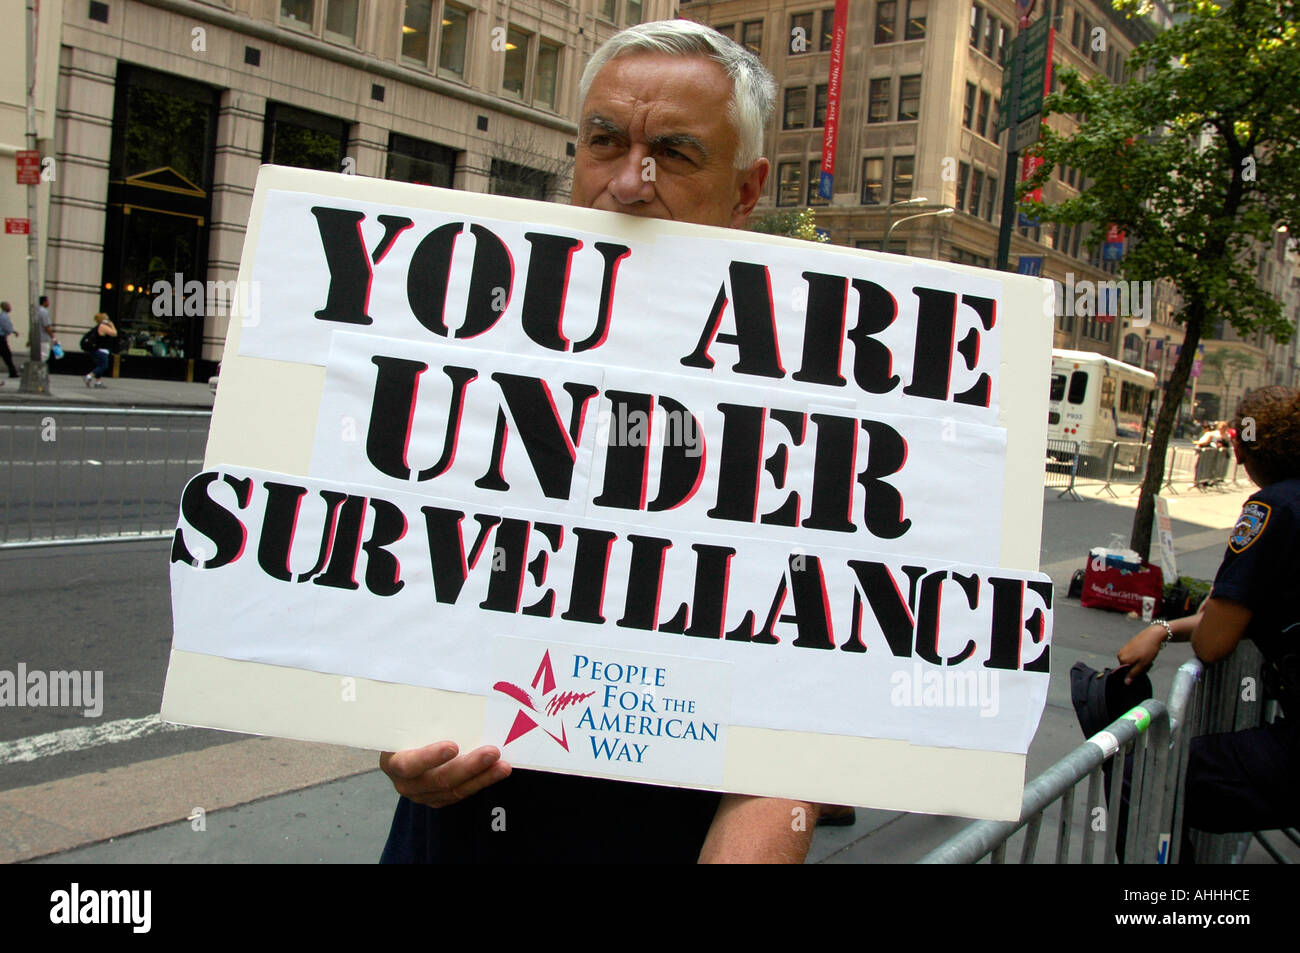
{"type": "Point", "coordinates": [1169, 630]}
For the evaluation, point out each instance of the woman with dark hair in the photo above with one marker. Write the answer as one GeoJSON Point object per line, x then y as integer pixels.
{"type": "Point", "coordinates": [104, 333]}
{"type": "Point", "coordinates": [1250, 780]}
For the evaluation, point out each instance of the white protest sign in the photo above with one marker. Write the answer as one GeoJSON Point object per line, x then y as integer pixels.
{"type": "Point", "coordinates": [1165, 541]}
{"type": "Point", "coordinates": [484, 458]}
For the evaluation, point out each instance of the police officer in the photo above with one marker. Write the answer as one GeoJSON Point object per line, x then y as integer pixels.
{"type": "Point", "coordinates": [1249, 780]}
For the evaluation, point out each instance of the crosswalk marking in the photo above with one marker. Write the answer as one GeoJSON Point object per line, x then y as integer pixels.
{"type": "Point", "coordinates": [79, 739]}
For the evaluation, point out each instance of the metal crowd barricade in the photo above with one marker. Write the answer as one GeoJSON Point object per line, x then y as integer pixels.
{"type": "Point", "coordinates": [1180, 467]}
{"type": "Point", "coordinates": [1095, 460]}
{"type": "Point", "coordinates": [1051, 799]}
{"type": "Point", "coordinates": [1128, 465]}
{"type": "Point", "coordinates": [94, 474]}
{"type": "Point", "coordinates": [1062, 466]}
{"type": "Point", "coordinates": [1201, 701]}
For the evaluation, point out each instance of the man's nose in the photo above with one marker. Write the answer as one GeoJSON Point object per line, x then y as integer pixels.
{"type": "Point", "coordinates": [633, 180]}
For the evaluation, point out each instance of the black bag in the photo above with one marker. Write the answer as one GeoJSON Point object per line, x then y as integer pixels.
{"type": "Point", "coordinates": [1101, 697]}
{"type": "Point", "coordinates": [90, 340]}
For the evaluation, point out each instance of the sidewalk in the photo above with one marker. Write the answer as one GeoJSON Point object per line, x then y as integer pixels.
{"type": "Point", "coordinates": [71, 389]}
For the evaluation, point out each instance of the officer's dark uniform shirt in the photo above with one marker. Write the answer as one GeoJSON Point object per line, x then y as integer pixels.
{"type": "Point", "coordinates": [536, 817]}
{"type": "Point", "coordinates": [1261, 568]}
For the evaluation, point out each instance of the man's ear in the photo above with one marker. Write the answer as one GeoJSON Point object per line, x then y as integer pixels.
{"type": "Point", "coordinates": [749, 190]}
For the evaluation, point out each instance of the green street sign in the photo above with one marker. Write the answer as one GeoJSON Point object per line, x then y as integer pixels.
{"type": "Point", "coordinates": [1033, 75]}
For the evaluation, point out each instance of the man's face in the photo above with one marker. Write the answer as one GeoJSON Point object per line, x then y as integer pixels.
{"type": "Point", "coordinates": [654, 140]}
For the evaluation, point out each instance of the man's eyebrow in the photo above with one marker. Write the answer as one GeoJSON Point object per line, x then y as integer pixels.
{"type": "Point", "coordinates": [605, 125]}
{"type": "Point", "coordinates": [675, 140]}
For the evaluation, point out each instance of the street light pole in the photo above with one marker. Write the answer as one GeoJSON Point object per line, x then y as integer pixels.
{"type": "Point", "coordinates": [946, 210]}
{"type": "Point", "coordinates": [35, 374]}
{"type": "Point", "coordinates": [889, 214]}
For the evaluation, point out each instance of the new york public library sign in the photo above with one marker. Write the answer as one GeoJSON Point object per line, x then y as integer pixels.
{"type": "Point", "coordinates": [623, 497]}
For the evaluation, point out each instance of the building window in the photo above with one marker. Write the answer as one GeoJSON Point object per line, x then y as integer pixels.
{"type": "Point", "coordinates": [726, 29]}
{"type": "Point", "coordinates": [886, 17]}
{"type": "Point", "coordinates": [548, 72]}
{"type": "Point", "coordinates": [873, 181]}
{"type": "Point", "coordinates": [819, 105]}
{"type": "Point", "coordinates": [796, 108]}
{"type": "Point", "coordinates": [415, 160]}
{"type": "Point", "coordinates": [633, 13]}
{"type": "Point", "coordinates": [991, 198]}
{"type": "Point", "coordinates": [997, 119]}
{"type": "Point", "coordinates": [1003, 36]}
{"type": "Point", "coordinates": [789, 184]}
{"type": "Point", "coordinates": [607, 9]}
{"type": "Point", "coordinates": [516, 64]}
{"type": "Point", "coordinates": [982, 117]}
{"type": "Point", "coordinates": [916, 11]}
{"type": "Point", "coordinates": [453, 42]}
{"type": "Point", "coordinates": [976, 21]}
{"type": "Point", "coordinates": [990, 34]}
{"type": "Point", "coordinates": [752, 37]}
{"type": "Point", "coordinates": [519, 181]}
{"type": "Point", "coordinates": [909, 97]}
{"type": "Point", "coordinates": [801, 27]}
{"type": "Point", "coordinates": [963, 176]}
{"type": "Point", "coordinates": [828, 29]}
{"type": "Point", "coordinates": [300, 13]}
{"type": "Point", "coordinates": [976, 191]}
{"type": "Point", "coordinates": [814, 183]}
{"type": "Point", "coordinates": [901, 187]}
{"type": "Point", "coordinates": [303, 139]}
{"type": "Point", "coordinates": [968, 107]}
{"type": "Point", "coordinates": [341, 18]}
{"type": "Point", "coordinates": [878, 110]}
{"type": "Point", "coordinates": [338, 18]}
{"type": "Point", "coordinates": [1075, 29]}
{"type": "Point", "coordinates": [416, 24]}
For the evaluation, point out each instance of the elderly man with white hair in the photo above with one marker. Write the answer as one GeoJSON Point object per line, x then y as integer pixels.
{"type": "Point", "coordinates": [690, 103]}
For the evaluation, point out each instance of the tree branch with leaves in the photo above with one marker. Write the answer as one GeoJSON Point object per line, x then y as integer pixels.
{"type": "Point", "coordinates": [1197, 158]}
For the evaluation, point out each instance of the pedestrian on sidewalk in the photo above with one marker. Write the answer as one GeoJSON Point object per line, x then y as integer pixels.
{"type": "Point", "coordinates": [46, 325]}
{"type": "Point", "coordinates": [6, 329]}
{"type": "Point", "coordinates": [105, 337]}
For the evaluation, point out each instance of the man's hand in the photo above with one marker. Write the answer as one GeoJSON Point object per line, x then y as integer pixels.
{"type": "Point", "coordinates": [436, 777]}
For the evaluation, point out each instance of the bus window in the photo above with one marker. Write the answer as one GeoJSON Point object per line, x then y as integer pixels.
{"type": "Point", "coordinates": [1107, 393]}
{"type": "Point", "coordinates": [1133, 399]}
{"type": "Point", "coordinates": [1058, 387]}
{"type": "Point", "coordinates": [1078, 386]}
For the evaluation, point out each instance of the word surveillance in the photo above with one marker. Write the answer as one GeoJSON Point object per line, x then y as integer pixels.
{"type": "Point", "coordinates": [354, 270]}
{"type": "Point", "coordinates": [250, 528]}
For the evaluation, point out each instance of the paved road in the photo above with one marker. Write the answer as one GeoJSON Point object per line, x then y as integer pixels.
{"type": "Point", "coordinates": [136, 793]}
{"type": "Point", "coordinates": [58, 466]}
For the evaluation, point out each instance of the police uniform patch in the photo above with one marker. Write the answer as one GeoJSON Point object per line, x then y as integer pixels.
{"type": "Point", "coordinates": [1251, 522]}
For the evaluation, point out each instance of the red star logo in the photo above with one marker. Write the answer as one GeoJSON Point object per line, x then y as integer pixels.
{"type": "Point", "coordinates": [552, 703]}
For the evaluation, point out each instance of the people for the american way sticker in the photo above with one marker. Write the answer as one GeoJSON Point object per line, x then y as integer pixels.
{"type": "Point", "coordinates": [597, 710]}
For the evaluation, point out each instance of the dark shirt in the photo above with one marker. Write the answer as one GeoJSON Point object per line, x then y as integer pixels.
{"type": "Point", "coordinates": [536, 817]}
{"type": "Point", "coordinates": [1261, 568]}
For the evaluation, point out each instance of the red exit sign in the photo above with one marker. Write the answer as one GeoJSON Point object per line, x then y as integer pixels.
{"type": "Point", "coordinates": [18, 226]}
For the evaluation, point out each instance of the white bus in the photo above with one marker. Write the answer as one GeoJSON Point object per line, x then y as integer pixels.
{"type": "Point", "coordinates": [1097, 398]}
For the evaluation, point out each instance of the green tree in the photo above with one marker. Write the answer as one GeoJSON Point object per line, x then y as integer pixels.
{"type": "Point", "coordinates": [1197, 157]}
{"type": "Point", "coordinates": [792, 223]}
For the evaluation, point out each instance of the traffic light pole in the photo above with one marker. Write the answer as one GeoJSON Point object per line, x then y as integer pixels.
{"type": "Point", "coordinates": [1013, 155]}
